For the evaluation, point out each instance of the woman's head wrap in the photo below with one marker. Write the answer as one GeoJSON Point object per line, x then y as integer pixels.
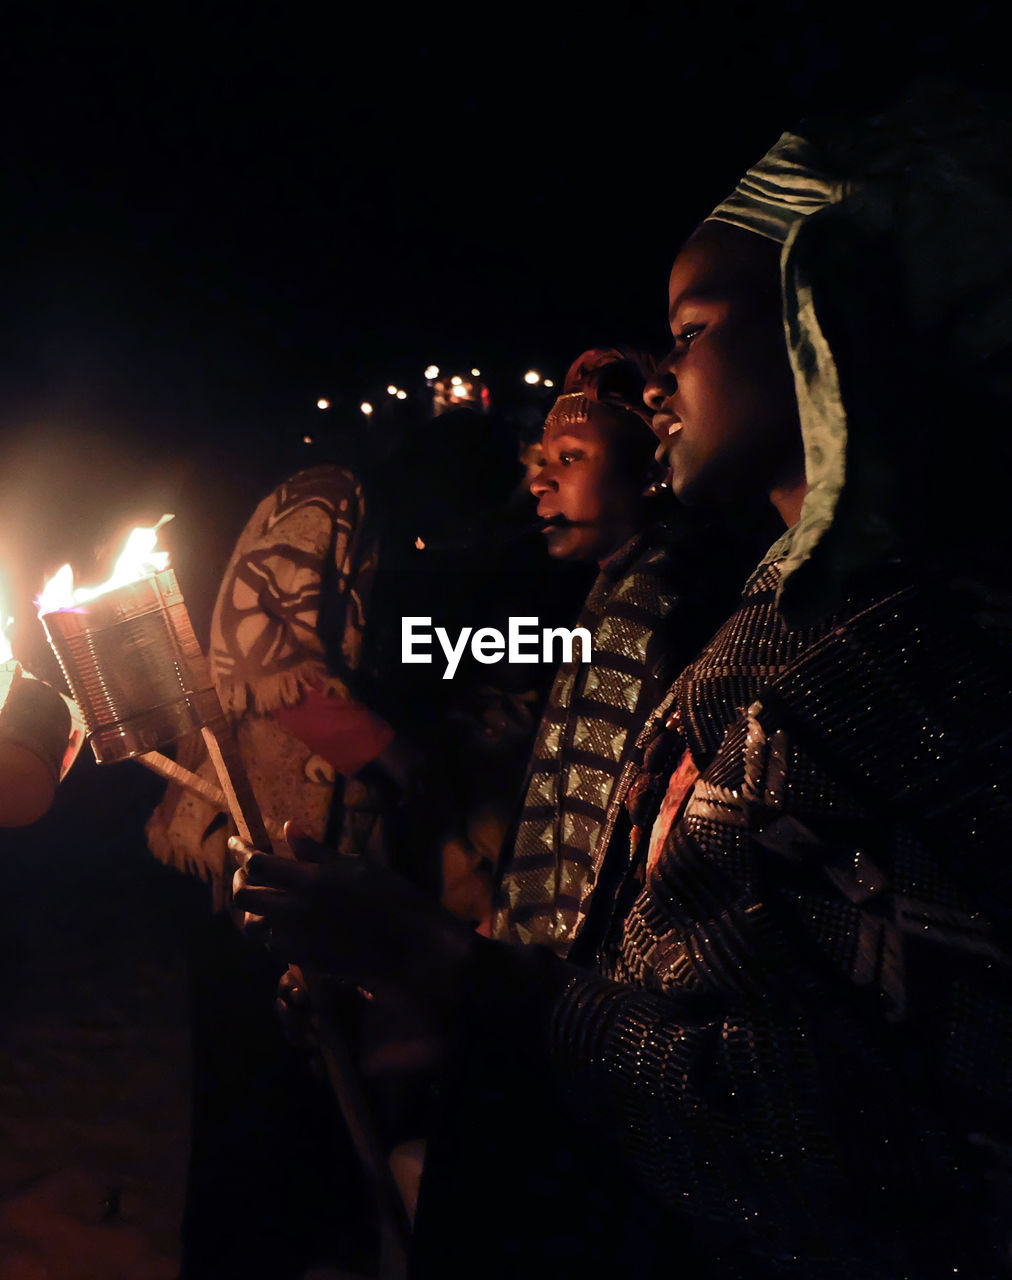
{"type": "Point", "coordinates": [612, 376]}
{"type": "Point", "coordinates": [896, 276]}
{"type": "Point", "coordinates": [777, 193]}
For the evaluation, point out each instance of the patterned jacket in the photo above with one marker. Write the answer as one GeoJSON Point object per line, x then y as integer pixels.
{"type": "Point", "coordinates": [798, 1043]}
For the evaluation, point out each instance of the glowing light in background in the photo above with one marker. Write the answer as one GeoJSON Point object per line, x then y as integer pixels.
{"type": "Point", "coordinates": [532, 377]}
{"type": "Point", "coordinates": [307, 439]}
{"type": "Point", "coordinates": [402, 395]}
{"type": "Point", "coordinates": [456, 381]}
{"type": "Point", "coordinates": [365, 407]}
{"type": "Point", "coordinates": [323, 404]}
{"type": "Point", "coordinates": [139, 559]}
{"type": "Point", "coordinates": [432, 371]}
{"type": "Point", "coordinates": [475, 373]}
{"type": "Point", "coordinates": [391, 390]}
{"type": "Point", "coordinates": [6, 653]}
{"type": "Point", "coordinates": [548, 382]}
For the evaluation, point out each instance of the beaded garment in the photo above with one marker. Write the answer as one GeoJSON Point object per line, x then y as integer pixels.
{"type": "Point", "coordinates": [812, 1008]}
{"type": "Point", "coordinates": [647, 614]}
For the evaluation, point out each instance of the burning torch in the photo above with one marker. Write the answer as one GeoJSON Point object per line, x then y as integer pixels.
{"type": "Point", "coordinates": [136, 669]}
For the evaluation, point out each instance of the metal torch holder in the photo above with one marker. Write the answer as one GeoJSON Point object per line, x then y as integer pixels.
{"type": "Point", "coordinates": [137, 672]}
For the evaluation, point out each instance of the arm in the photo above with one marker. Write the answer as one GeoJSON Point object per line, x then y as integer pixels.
{"type": "Point", "coordinates": [35, 729]}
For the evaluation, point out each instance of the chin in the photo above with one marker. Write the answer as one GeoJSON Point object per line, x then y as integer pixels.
{"type": "Point", "coordinates": [706, 489]}
{"type": "Point", "coordinates": [571, 548]}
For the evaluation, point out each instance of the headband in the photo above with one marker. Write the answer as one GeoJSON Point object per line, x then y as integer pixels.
{"type": "Point", "coordinates": [575, 407]}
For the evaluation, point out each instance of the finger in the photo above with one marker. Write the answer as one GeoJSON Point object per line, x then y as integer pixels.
{"type": "Point", "coordinates": [303, 848]}
{"type": "Point", "coordinates": [281, 873]}
{"type": "Point", "coordinates": [240, 849]}
{"type": "Point", "coordinates": [292, 989]}
{"type": "Point", "coordinates": [279, 909]}
{"type": "Point", "coordinates": [254, 927]}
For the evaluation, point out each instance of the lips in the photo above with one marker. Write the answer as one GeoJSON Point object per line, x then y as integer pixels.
{"type": "Point", "coordinates": [665, 425]}
{"type": "Point", "coordinates": [551, 519]}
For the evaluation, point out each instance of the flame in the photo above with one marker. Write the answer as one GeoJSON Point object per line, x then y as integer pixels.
{"type": "Point", "coordinates": [138, 560]}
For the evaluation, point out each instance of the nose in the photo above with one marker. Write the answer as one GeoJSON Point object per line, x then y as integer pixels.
{"type": "Point", "coordinates": [543, 482]}
{"type": "Point", "coordinates": [661, 384]}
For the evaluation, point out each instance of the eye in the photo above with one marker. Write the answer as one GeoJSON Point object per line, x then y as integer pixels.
{"type": "Point", "coordinates": [689, 332]}
{"type": "Point", "coordinates": [568, 458]}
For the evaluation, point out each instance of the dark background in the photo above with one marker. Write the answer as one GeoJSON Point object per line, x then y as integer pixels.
{"type": "Point", "coordinates": [207, 221]}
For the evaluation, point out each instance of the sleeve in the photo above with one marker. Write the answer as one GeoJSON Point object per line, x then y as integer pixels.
{"type": "Point", "coordinates": [35, 717]}
{"type": "Point", "coordinates": [344, 732]}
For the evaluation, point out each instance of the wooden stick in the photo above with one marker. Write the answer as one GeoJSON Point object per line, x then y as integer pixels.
{"type": "Point", "coordinates": [394, 1221]}
{"type": "Point", "coordinates": [166, 768]}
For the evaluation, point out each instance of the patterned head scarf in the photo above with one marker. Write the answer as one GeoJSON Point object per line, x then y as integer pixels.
{"type": "Point", "coordinates": [615, 378]}
{"type": "Point", "coordinates": [896, 278]}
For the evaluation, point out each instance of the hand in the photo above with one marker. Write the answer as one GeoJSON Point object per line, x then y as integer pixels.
{"type": "Point", "coordinates": [295, 1009]}
{"type": "Point", "coordinates": [358, 924]}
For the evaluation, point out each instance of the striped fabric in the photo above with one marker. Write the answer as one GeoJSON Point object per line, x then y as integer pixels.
{"type": "Point", "coordinates": [581, 746]}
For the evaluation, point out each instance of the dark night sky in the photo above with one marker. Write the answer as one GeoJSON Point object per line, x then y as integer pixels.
{"type": "Point", "coordinates": [208, 221]}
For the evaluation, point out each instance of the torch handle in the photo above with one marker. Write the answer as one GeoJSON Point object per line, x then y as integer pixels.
{"type": "Point", "coordinates": [242, 804]}
{"type": "Point", "coordinates": [394, 1222]}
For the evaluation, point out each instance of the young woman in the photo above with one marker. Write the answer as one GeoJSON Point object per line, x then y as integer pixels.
{"type": "Point", "coordinates": [662, 586]}
{"type": "Point", "coordinates": [794, 1056]}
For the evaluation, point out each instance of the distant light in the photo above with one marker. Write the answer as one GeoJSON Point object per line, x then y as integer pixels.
{"type": "Point", "coordinates": [420, 544]}
{"type": "Point", "coordinates": [323, 404]}
{"type": "Point", "coordinates": [458, 391]}
{"type": "Point", "coordinates": [432, 371]}
{"type": "Point", "coordinates": [307, 439]}
{"type": "Point", "coordinates": [549, 382]}
{"type": "Point", "coordinates": [366, 408]}
{"type": "Point", "coordinates": [456, 381]}
{"type": "Point", "coordinates": [391, 390]}
{"type": "Point", "coordinates": [402, 395]}
{"type": "Point", "coordinates": [475, 373]}
{"type": "Point", "coordinates": [532, 377]}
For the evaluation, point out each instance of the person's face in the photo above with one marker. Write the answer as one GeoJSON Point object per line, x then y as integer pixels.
{"type": "Point", "coordinates": [724, 407]}
{"type": "Point", "coordinates": [590, 485]}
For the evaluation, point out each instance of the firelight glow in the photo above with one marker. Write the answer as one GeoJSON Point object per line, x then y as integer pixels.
{"type": "Point", "coordinates": [138, 560]}
{"type": "Point", "coordinates": [6, 653]}
{"type": "Point", "coordinates": [532, 377]}
{"type": "Point", "coordinates": [323, 404]}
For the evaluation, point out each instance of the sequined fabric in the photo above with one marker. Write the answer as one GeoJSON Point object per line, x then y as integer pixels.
{"type": "Point", "coordinates": [636, 613]}
{"type": "Point", "coordinates": [810, 1008]}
